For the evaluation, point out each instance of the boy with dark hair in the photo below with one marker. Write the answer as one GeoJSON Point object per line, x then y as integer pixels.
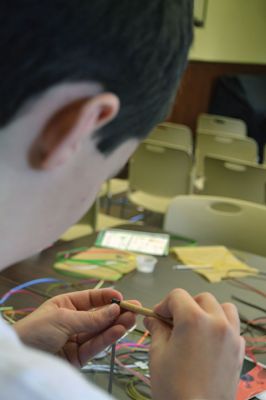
{"type": "Point", "coordinates": [82, 82]}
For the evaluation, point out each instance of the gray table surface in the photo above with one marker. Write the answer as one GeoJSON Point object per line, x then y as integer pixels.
{"type": "Point", "coordinates": [151, 288]}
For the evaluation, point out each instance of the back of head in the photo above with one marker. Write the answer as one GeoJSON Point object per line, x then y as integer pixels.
{"type": "Point", "coordinates": [134, 48]}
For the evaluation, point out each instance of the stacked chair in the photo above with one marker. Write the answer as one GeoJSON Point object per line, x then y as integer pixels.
{"type": "Point", "coordinates": [215, 220]}
{"type": "Point", "coordinates": [161, 168]}
{"type": "Point", "coordinates": [173, 135]}
{"type": "Point", "coordinates": [232, 178]}
{"type": "Point", "coordinates": [238, 148]}
{"type": "Point", "coordinates": [221, 125]}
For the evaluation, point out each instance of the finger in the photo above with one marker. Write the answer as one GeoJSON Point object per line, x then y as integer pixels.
{"type": "Point", "coordinates": [92, 322]}
{"type": "Point", "coordinates": [231, 313]}
{"type": "Point", "coordinates": [209, 304]}
{"type": "Point", "coordinates": [97, 344]}
{"type": "Point", "coordinates": [87, 299]}
{"type": "Point", "coordinates": [127, 320]}
{"type": "Point", "coordinates": [159, 331]}
{"type": "Point", "coordinates": [179, 304]}
{"type": "Point", "coordinates": [156, 327]}
{"type": "Point", "coordinates": [242, 352]}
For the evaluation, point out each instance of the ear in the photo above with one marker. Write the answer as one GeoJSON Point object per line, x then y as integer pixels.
{"type": "Point", "coordinates": [68, 126]}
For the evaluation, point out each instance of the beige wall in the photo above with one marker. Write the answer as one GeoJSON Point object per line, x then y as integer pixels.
{"type": "Point", "coordinates": [235, 31]}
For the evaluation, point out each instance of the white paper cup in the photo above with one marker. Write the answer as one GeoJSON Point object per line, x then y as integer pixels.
{"type": "Point", "coordinates": [146, 263]}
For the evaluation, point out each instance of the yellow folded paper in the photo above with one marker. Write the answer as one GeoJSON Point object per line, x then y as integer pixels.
{"type": "Point", "coordinates": [221, 262]}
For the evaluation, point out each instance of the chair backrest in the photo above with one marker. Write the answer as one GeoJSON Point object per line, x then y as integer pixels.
{"type": "Point", "coordinates": [264, 154]}
{"type": "Point", "coordinates": [235, 179]}
{"type": "Point", "coordinates": [219, 221]}
{"type": "Point", "coordinates": [244, 149]}
{"type": "Point", "coordinates": [221, 125]}
{"type": "Point", "coordinates": [172, 134]}
{"type": "Point", "coordinates": [160, 170]}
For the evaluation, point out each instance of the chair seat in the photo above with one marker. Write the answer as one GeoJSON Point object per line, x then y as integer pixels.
{"type": "Point", "coordinates": [153, 203]}
{"type": "Point", "coordinates": [76, 231]}
{"type": "Point", "coordinates": [113, 186]}
{"type": "Point", "coordinates": [107, 221]}
{"type": "Point", "coordinates": [118, 186]}
{"type": "Point", "coordinates": [82, 229]}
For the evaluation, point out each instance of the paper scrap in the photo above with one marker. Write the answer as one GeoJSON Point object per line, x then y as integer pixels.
{"type": "Point", "coordinates": [224, 265]}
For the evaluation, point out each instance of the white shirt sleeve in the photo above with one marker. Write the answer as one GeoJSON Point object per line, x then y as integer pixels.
{"type": "Point", "coordinates": [29, 374]}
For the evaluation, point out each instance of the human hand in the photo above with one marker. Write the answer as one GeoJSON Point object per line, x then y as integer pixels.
{"type": "Point", "coordinates": [76, 325]}
{"type": "Point", "coordinates": [201, 356]}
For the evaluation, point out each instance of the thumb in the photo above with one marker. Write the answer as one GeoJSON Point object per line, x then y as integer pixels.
{"type": "Point", "coordinates": [91, 322]}
{"type": "Point", "coordinates": [160, 332]}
